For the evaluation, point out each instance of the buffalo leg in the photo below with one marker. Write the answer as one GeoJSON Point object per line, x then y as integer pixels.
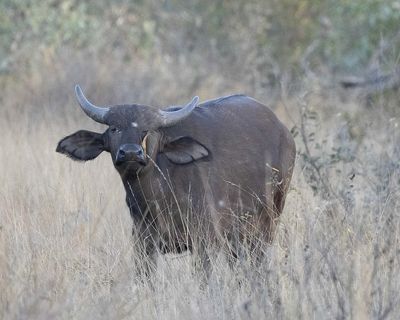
{"type": "Point", "coordinates": [202, 261]}
{"type": "Point", "coordinates": [145, 251]}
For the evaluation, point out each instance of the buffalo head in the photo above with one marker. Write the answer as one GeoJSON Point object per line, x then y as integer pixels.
{"type": "Point", "coordinates": [131, 137]}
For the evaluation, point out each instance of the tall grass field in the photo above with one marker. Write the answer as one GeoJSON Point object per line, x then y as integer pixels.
{"type": "Point", "coordinates": [65, 231]}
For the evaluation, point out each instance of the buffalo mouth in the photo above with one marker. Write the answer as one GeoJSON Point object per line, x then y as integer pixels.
{"type": "Point", "coordinates": [131, 163]}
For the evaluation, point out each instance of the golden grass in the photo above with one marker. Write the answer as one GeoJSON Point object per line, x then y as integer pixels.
{"type": "Point", "coordinates": [65, 249]}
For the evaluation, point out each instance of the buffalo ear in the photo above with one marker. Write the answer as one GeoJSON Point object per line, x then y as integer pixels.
{"type": "Point", "coordinates": [184, 150]}
{"type": "Point", "coordinates": [82, 145]}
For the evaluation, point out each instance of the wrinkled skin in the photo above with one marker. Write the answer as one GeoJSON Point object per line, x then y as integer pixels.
{"type": "Point", "coordinates": [219, 176]}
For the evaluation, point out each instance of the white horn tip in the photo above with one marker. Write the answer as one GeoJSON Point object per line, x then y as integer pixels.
{"type": "Point", "coordinates": [78, 89]}
{"type": "Point", "coordinates": [195, 100]}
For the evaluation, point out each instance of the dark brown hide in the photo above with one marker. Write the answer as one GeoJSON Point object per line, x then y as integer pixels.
{"type": "Point", "coordinates": [238, 190]}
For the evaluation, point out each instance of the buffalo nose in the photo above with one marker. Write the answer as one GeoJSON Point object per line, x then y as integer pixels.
{"type": "Point", "coordinates": [130, 152]}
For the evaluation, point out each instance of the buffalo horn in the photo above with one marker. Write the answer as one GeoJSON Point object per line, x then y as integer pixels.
{"type": "Point", "coordinates": [169, 118]}
{"type": "Point", "coordinates": [96, 113]}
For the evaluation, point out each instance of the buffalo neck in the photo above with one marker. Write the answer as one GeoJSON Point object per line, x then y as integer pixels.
{"type": "Point", "coordinates": [137, 186]}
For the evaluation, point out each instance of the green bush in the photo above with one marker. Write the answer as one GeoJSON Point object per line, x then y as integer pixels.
{"type": "Point", "coordinates": [343, 34]}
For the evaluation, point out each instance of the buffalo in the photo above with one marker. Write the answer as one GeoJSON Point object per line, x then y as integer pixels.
{"type": "Point", "coordinates": [196, 175]}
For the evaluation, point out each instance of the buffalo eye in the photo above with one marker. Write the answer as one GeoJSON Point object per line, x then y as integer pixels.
{"type": "Point", "coordinates": [114, 129]}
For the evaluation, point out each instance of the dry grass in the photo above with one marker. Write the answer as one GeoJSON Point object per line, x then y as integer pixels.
{"type": "Point", "coordinates": [65, 247]}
